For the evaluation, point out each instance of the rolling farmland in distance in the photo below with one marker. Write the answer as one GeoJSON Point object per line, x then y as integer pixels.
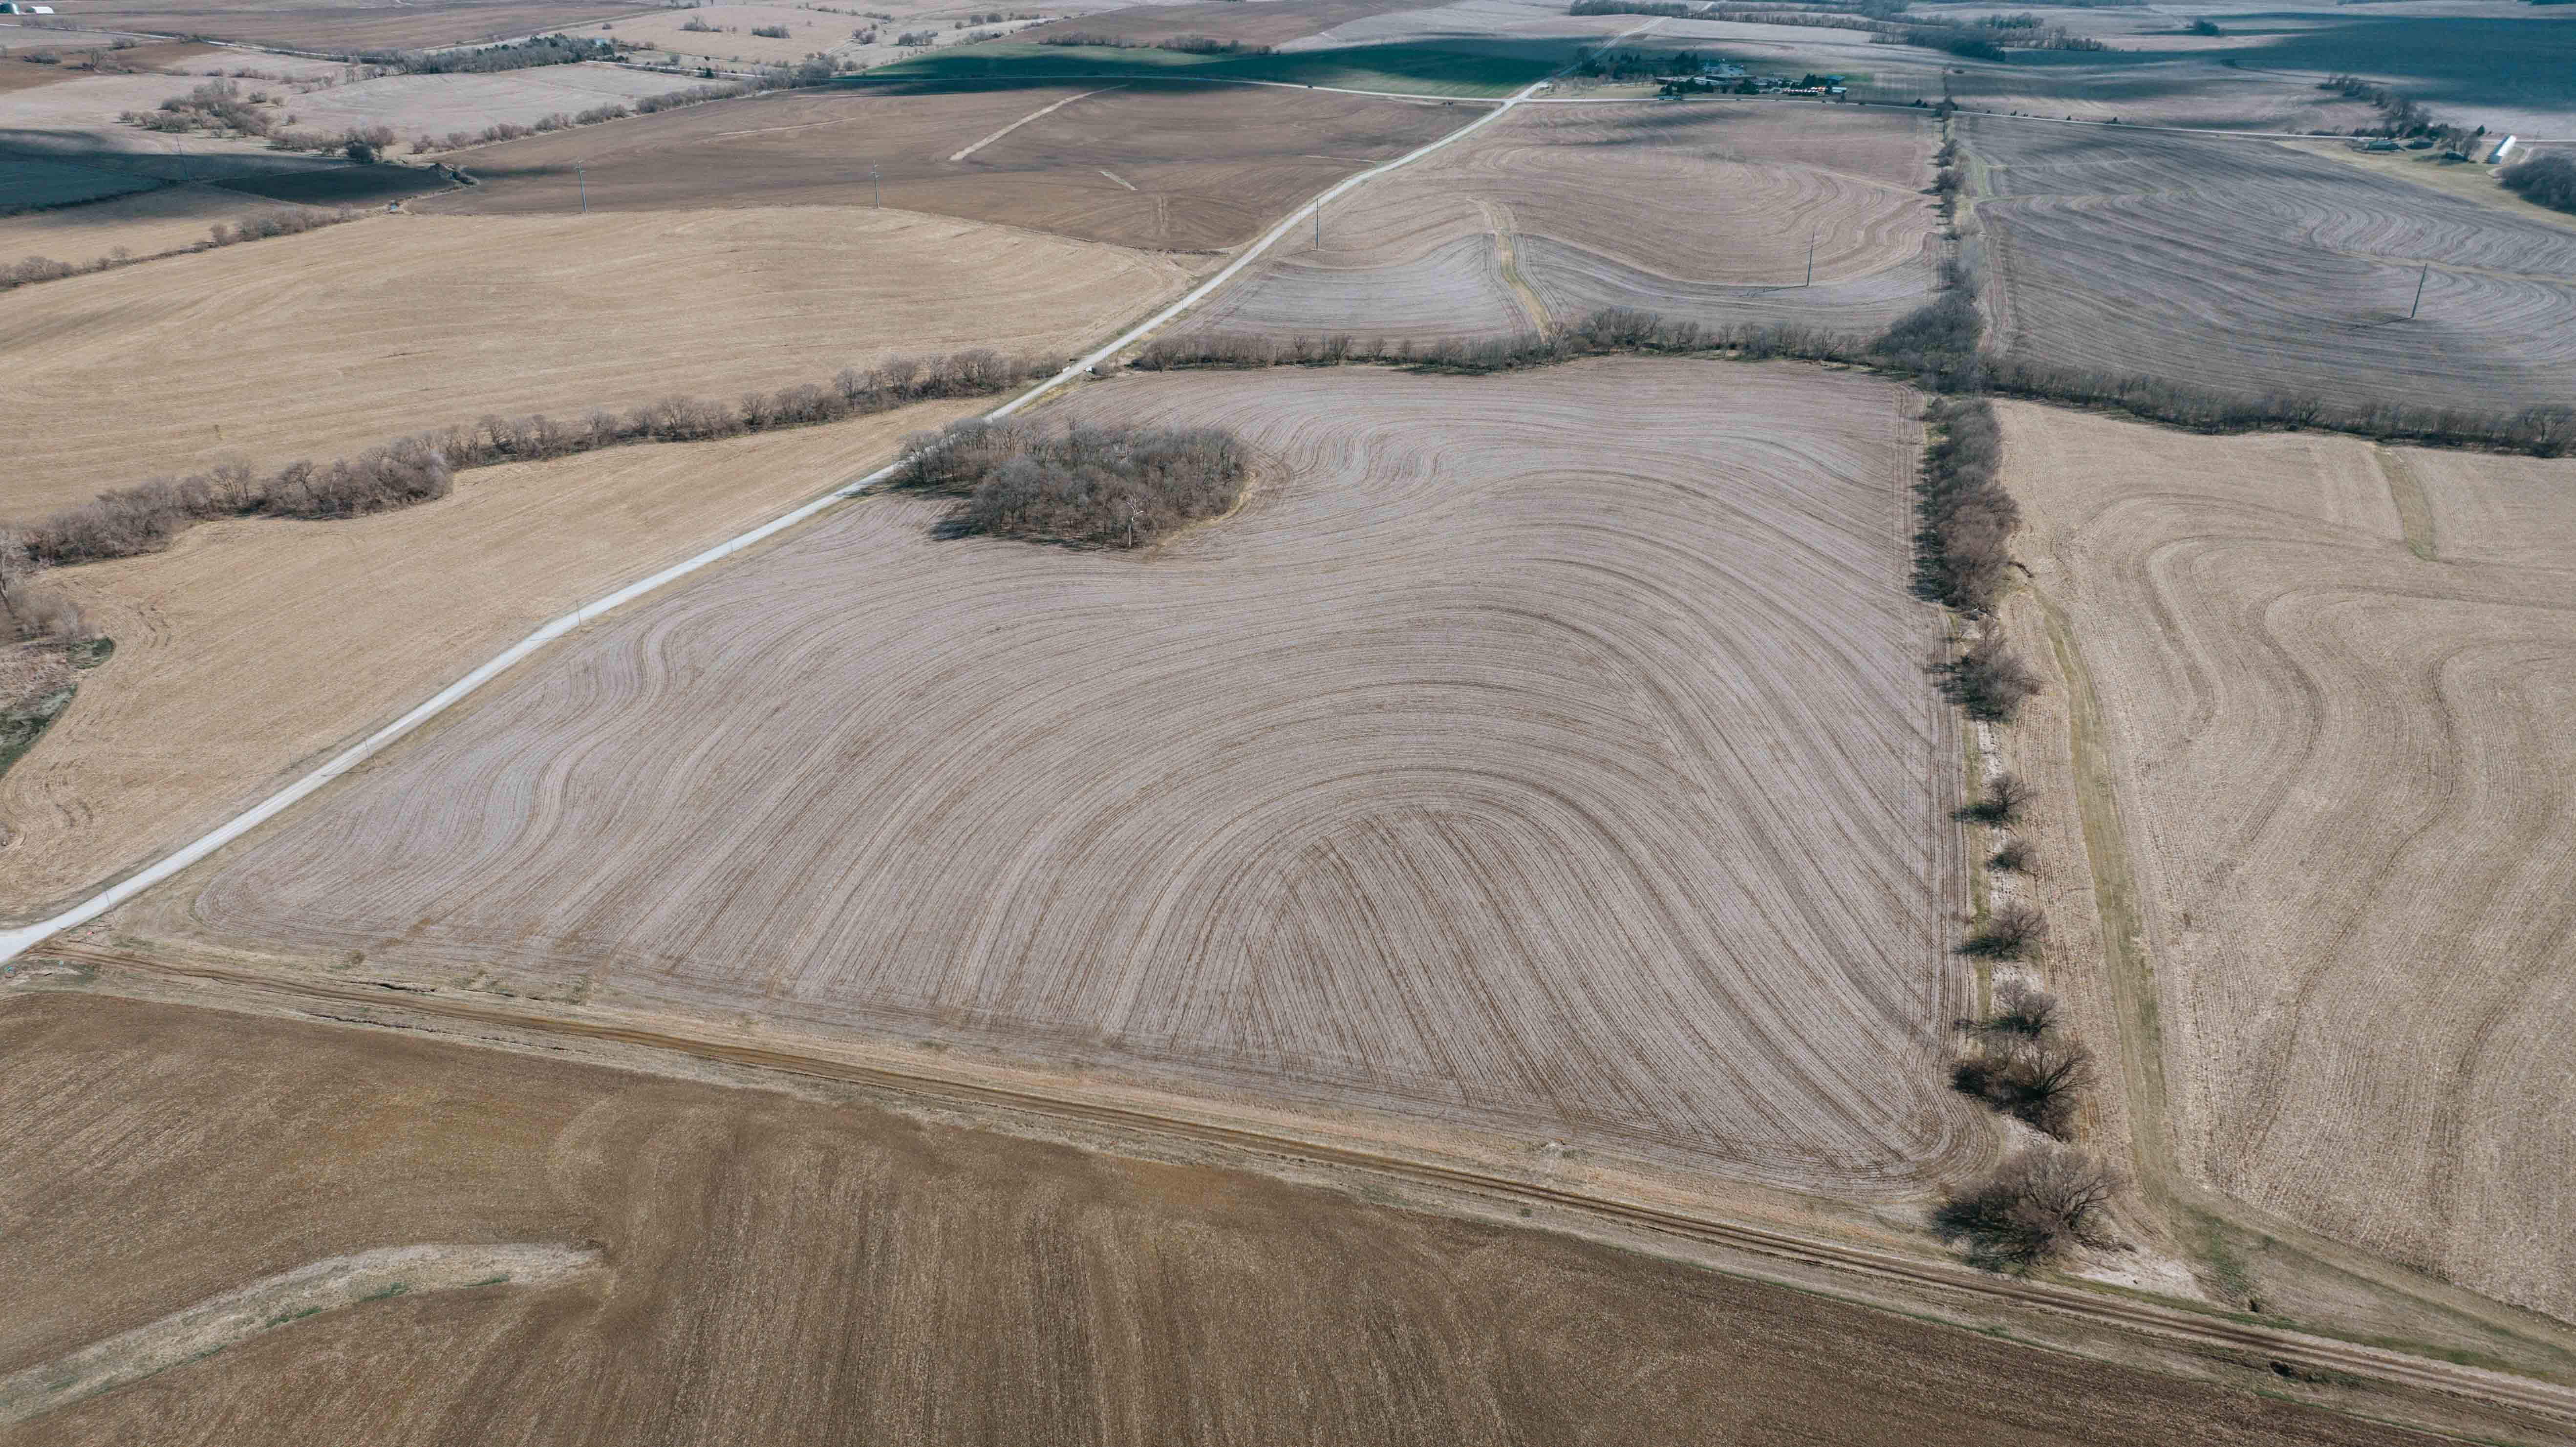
{"type": "Point", "coordinates": [409, 322]}
{"type": "Point", "coordinates": [1705, 214]}
{"type": "Point", "coordinates": [2251, 267]}
{"type": "Point", "coordinates": [1143, 165]}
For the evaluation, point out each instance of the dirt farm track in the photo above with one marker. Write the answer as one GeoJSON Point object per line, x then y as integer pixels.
{"type": "Point", "coordinates": [712, 1206]}
{"type": "Point", "coordinates": [1668, 686]}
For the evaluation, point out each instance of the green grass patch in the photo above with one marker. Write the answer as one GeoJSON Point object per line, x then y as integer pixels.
{"type": "Point", "coordinates": [284, 1317]}
{"type": "Point", "coordinates": [1411, 69]}
{"type": "Point", "coordinates": [397, 1289]}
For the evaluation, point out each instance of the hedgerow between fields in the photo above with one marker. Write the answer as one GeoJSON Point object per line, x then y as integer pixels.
{"type": "Point", "coordinates": [146, 517]}
{"type": "Point", "coordinates": [254, 228]}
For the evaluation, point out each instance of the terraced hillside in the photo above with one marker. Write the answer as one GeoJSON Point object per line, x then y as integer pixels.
{"type": "Point", "coordinates": [2248, 266]}
{"type": "Point", "coordinates": [1546, 754]}
{"type": "Point", "coordinates": [2333, 680]}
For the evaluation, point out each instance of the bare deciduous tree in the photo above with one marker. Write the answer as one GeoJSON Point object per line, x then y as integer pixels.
{"type": "Point", "coordinates": [2032, 1211]}
{"type": "Point", "coordinates": [2011, 931]}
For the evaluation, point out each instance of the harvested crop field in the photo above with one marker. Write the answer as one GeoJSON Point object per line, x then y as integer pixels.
{"type": "Point", "coordinates": [2251, 267]}
{"type": "Point", "coordinates": [2335, 681]}
{"type": "Point", "coordinates": [326, 343]}
{"type": "Point", "coordinates": [1273, 22]}
{"type": "Point", "coordinates": [1704, 212]}
{"type": "Point", "coordinates": [1145, 164]}
{"type": "Point", "coordinates": [251, 649]}
{"type": "Point", "coordinates": [166, 219]}
{"type": "Point", "coordinates": [339, 27]}
{"type": "Point", "coordinates": [785, 1271]}
{"type": "Point", "coordinates": [1545, 754]}
{"type": "Point", "coordinates": [435, 105]}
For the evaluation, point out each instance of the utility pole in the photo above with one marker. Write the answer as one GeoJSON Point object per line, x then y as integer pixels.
{"type": "Point", "coordinates": [1811, 259]}
{"type": "Point", "coordinates": [2420, 279]}
{"type": "Point", "coordinates": [875, 191]}
{"type": "Point", "coordinates": [1319, 226]}
{"type": "Point", "coordinates": [583, 181]}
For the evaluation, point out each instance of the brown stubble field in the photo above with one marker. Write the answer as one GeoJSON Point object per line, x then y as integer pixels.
{"type": "Point", "coordinates": [251, 649]}
{"type": "Point", "coordinates": [1152, 164]}
{"type": "Point", "coordinates": [318, 345]}
{"type": "Point", "coordinates": [785, 1270]}
{"type": "Point", "coordinates": [1703, 211]}
{"type": "Point", "coordinates": [2334, 680]}
{"type": "Point", "coordinates": [1586, 793]}
{"type": "Point", "coordinates": [2250, 267]}
{"type": "Point", "coordinates": [339, 28]}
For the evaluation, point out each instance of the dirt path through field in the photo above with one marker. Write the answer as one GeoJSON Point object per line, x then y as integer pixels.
{"type": "Point", "coordinates": [200, 1331]}
{"type": "Point", "coordinates": [1039, 114]}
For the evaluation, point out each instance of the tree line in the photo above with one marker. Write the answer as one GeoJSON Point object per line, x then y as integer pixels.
{"type": "Point", "coordinates": [1109, 487]}
{"type": "Point", "coordinates": [252, 228]}
{"type": "Point", "coordinates": [145, 518]}
{"type": "Point", "coordinates": [1186, 44]}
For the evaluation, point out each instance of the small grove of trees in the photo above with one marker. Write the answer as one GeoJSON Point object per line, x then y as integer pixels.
{"type": "Point", "coordinates": [252, 228]}
{"type": "Point", "coordinates": [1113, 487]}
{"type": "Point", "coordinates": [367, 144]}
{"type": "Point", "coordinates": [125, 522]}
{"type": "Point", "coordinates": [2032, 1210]}
{"type": "Point", "coordinates": [217, 106]}
{"type": "Point", "coordinates": [770, 32]}
{"type": "Point", "coordinates": [2548, 180]}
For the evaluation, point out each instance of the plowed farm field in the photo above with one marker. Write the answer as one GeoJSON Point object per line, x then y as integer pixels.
{"type": "Point", "coordinates": [1703, 211]}
{"type": "Point", "coordinates": [783, 1271]}
{"type": "Point", "coordinates": [2251, 267]}
{"type": "Point", "coordinates": [252, 649]}
{"type": "Point", "coordinates": [2336, 680]}
{"type": "Point", "coordinates": [322, 344]}
{"type": "Point", "coordinates": [1141, 163]}
{"type": "Point", "coordinates": [1545, 755]}
{"type": "Point", "coordinates": [338, 27]}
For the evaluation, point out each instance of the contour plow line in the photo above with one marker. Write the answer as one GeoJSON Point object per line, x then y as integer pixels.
{"type": "Point", "coordinates": [16, 941]}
